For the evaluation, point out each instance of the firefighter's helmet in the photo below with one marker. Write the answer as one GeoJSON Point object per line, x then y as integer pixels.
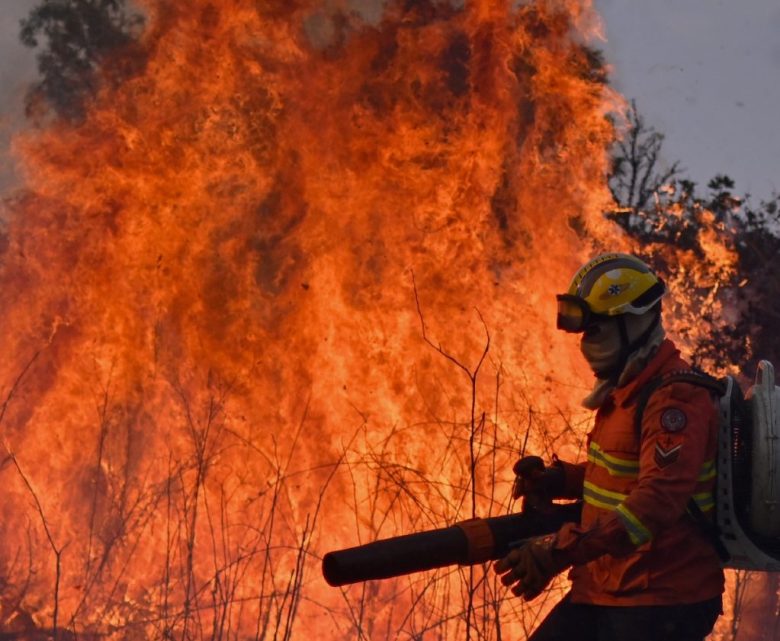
{"type": "Point", "coordinates": [608, 285]}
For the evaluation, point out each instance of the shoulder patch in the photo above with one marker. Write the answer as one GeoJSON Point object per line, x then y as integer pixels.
{"type": "Point", "coordinates": [673, 420]}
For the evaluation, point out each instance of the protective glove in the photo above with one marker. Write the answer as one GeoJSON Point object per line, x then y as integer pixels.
{"type": "Point", "coordinates": [537, 483]}
{"type": "Point", "coordinates": [531, 567]}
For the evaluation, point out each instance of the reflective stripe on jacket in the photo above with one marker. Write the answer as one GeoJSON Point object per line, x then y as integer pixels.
{"type": "Point", "coordinates": [636, 544]}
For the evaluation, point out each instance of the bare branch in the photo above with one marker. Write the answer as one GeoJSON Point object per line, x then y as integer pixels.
{"type": "Point", "coordinates": [57, 550]}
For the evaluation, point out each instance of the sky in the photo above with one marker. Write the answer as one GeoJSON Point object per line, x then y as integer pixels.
{"type": "Point", "coordinates": [706, 73]}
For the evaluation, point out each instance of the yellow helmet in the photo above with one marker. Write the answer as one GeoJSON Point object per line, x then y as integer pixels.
{"type": "Point", "coordinates": [608, 285]}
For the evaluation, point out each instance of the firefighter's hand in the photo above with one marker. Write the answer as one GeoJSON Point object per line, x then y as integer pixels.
{"type": "Point", "coordinates": [536, 482]}
{"type": "Point", "coordinates": [530, 569]}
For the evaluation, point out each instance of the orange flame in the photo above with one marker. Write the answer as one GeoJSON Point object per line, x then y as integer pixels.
{"type": "Point", "coordinates": [214, 362]}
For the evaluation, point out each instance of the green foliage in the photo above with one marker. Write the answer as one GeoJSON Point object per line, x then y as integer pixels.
{"type": "Point", "coordinates": [75, 38]}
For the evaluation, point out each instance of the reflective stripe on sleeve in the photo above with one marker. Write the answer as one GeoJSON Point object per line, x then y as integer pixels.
{"type": "Point", "coordinates": [638, 533]}
{"type": "Point", "coordinates": [609, 500]}
{"type": "Point", "coordinates": [705, 501]}
{"type": "Point", "coordinates": [708, 471]}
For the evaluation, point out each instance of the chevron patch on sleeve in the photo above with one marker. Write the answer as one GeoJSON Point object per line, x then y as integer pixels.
{"type": "Point", "coordinates": [666, 454]}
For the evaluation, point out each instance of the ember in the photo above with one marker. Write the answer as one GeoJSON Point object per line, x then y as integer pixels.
{"type": "Point", "coordinates": [214, 366]}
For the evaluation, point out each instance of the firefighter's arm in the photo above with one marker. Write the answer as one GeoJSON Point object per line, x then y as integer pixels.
{"type": "Point", "coordinates": [676, 429]}
{"type": "Point", "coordinates": [675, 432]}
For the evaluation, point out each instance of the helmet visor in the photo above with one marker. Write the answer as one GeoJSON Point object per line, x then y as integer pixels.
{"type": "Point", "coordinates": [573, 313]}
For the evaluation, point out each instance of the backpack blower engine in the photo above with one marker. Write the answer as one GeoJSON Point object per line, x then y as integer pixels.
{"type": "Point", "coordinates": [748, 483]}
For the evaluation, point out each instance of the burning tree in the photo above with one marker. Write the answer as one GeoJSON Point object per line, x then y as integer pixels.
{"type": "Point", "coordinates": [215, 368]}
{"type": "Point", "coordinates": [663, 212]}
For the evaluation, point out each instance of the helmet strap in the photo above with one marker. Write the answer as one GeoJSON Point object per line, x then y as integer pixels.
{"type": "Point", "coordinates": [627, 347]}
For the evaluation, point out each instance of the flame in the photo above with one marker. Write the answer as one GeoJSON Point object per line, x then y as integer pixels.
{"type": "Point", "coordinates": [215, 367]}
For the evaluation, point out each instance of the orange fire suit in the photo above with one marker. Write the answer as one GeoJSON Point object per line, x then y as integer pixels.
{"type": "Point", "coordinates": [636, 544]}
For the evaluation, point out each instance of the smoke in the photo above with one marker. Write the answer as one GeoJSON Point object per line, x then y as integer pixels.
{"type": "Point", "coordinates": [17, 71]}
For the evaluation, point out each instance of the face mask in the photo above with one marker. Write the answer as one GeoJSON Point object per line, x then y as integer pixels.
{"type": "Point", "coordinates": [603, 349]}
{"type": "Point", "coordinates": [600, 345]}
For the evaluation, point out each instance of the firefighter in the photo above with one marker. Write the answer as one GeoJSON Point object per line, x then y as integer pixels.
{"type": "Point", "coordinates": [641, 563]}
